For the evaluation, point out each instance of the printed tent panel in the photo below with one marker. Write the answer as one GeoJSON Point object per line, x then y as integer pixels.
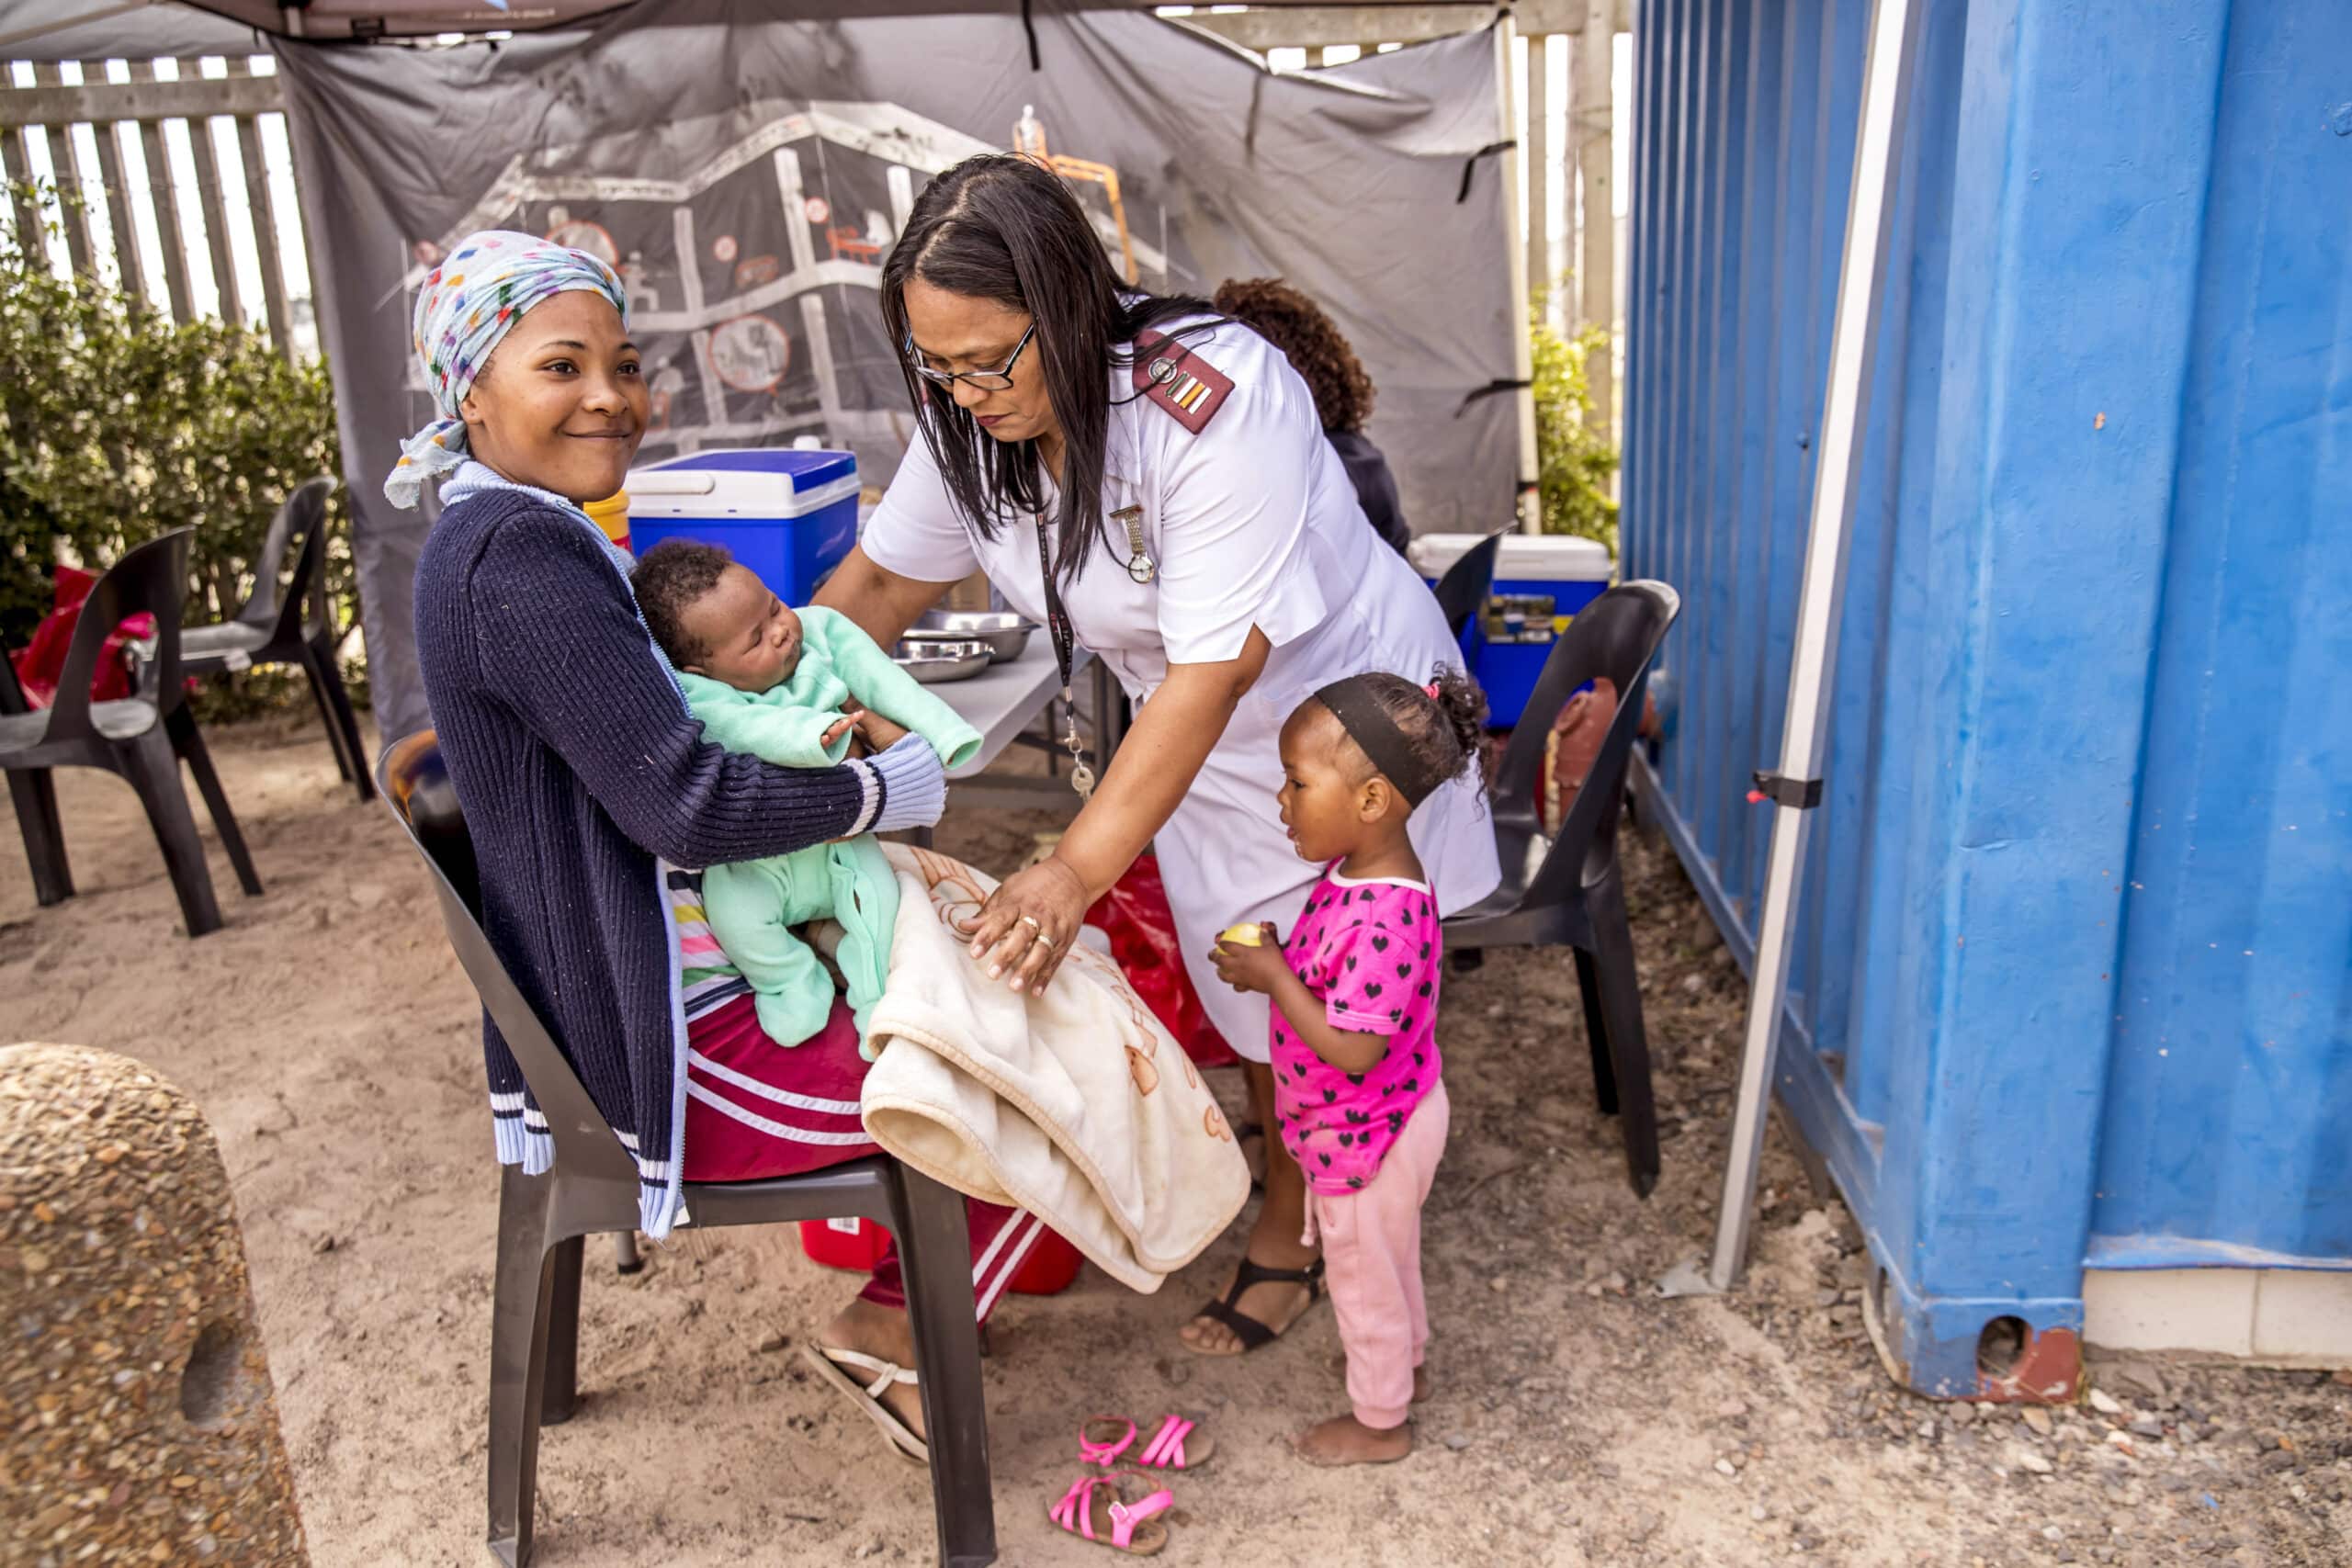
{"type": "Point", "coordinates": [747, 166]}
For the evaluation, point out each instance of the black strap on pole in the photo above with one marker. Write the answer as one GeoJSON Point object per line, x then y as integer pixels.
{"type": "Point", "coordinates": [1499, 385]}
{"type": "Point", "coordinates": [1470, 165]}
{"type": "Point", "coordinates": [1029, 26]}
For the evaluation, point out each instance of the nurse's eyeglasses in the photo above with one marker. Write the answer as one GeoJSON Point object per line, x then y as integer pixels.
{"type": "Point", "coordinates": [979, 380]}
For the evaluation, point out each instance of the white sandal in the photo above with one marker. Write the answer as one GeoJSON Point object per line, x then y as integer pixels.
{"type": "Point", "coordinates": [829, 1362]}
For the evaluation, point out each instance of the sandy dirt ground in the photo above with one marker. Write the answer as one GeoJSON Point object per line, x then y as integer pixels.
{"type": "Point", "coordinates": [1578, 1419]}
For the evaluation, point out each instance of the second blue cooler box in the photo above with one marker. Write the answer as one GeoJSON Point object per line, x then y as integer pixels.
{"type": "Point", "coordinates": [1540, 581]}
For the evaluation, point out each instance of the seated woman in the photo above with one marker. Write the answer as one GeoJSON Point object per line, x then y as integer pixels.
{"type": "Point", "coordinates": [590, 790]}
{"type": "Point", "coordinates": [1343, 393]}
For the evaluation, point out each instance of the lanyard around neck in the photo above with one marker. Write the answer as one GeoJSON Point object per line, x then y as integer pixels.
{"type": "Point", "coordinates": [1082, 776]}
{"type": "Point", "coordinates": [1057, 617]}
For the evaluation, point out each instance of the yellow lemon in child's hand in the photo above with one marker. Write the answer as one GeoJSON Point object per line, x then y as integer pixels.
{"type": "Point", "coordinates": [1244, 935]}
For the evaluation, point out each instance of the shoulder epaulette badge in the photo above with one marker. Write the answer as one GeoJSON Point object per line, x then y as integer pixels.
{"type": "Point", "coordinates": [1179, 380]}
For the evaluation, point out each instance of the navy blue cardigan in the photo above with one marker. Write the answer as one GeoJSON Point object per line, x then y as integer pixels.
{"type": "Point", "coordinates": [576, 765]}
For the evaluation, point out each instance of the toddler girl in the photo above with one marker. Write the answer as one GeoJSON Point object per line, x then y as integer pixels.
{"type": "Point", "coordinates": [1357, 1096]}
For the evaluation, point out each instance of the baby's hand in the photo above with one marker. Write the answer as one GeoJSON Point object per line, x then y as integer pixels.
{"type": "Point", "coordinates": [835, 730]}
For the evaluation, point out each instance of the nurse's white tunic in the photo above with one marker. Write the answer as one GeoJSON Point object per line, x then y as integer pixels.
{"type": "Point", "coordinates": [1253, 522]}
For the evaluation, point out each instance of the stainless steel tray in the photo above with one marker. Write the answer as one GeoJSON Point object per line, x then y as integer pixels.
{"type": "Point", "coordinates": [935, 662]}
{"type": "Point", "coordinates": [1005, 633]}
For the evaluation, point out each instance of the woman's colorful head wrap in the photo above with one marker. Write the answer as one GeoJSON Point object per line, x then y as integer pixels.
{"type": "Point", "coordinates": [468, 304]}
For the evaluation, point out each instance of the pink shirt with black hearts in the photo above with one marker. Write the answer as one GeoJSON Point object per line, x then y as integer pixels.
{"type": "Point", "coordinates": [1369, 952]}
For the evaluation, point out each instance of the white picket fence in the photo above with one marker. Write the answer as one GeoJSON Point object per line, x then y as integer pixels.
{"type": "Point", "coordinates": [171, 178]}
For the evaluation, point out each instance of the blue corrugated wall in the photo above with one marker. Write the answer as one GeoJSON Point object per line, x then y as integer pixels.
{"type": "Point", "coordinates": [2072, 976]}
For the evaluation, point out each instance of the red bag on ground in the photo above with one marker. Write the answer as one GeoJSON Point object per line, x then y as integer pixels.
{"type": "Point", "coordinates": [1136, 917]}
{"type": "Point", "coordinates": [41, 661]}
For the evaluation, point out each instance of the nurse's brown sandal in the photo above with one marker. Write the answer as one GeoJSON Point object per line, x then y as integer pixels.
{"type": "Point", "coordinates": [1254, 1335]}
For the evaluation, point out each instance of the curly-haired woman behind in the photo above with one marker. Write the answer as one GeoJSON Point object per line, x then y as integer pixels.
{"type": "Point", "coordinates": [1343, 393]}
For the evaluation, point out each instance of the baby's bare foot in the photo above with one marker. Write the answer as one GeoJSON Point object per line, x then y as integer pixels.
{"type": "Point", "coordinates": [1344, 1440]}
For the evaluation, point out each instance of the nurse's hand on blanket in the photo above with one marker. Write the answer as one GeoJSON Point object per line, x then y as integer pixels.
{"type": "Point", "coordinates": [1250, 966]}
{"type": "Point", "coordinates": [1027, 924]}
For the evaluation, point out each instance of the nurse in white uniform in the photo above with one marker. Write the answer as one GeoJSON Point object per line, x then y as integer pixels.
{"type": "Point", "coordinates": [1204, 540]}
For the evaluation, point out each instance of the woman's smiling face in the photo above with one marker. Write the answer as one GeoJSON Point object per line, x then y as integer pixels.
{"type": "Point", "coordinates": [562, 402]}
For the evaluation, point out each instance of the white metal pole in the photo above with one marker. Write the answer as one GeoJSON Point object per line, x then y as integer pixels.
{"type": "Point", "coordinates": [1537, 154]}
{"type": "Point", "coordinates": [1886, 81]}
{"type": "Point", "coordinates": [1531, 500]}
{"type": "Point", "coordinates": [1592, 106]}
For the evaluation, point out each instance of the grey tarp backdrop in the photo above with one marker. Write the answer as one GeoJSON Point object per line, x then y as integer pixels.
{"type": "Point", "coordinates": [682, 136]}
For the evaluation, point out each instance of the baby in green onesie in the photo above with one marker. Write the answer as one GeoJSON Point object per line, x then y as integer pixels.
{"type": "Point", "coordinates": [789, 686]}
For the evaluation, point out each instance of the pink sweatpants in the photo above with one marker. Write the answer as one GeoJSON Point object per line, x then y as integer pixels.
{"type": "Point", "coordinates": [1371, 1256]}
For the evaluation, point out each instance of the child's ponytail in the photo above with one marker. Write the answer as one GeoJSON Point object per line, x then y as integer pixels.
{"type": "Point", "coordinates": [1463, 706]}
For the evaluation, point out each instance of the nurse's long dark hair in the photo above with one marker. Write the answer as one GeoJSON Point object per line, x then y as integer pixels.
{"type": "Point", "coordinates": [999, 227]}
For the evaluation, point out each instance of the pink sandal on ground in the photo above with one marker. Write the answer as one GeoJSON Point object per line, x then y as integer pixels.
{"type": "Point", "coordinates": [1095, 1501]}
{"type": "Point", "coordinates": [1178, 1445]}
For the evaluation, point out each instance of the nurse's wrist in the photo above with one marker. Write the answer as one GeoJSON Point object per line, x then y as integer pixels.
{"type": "Point", "coordinates": [1094, 884]}
{"type": "Point", "coordinates": [1070, 874]}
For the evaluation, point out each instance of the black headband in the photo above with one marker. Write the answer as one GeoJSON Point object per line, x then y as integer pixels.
{"type": "Point", "coordinates": [1367, 722]}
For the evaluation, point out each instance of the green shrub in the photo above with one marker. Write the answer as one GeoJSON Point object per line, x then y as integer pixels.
{"type": "Point", "coordinates": [1577, 462]}
{"type": "Point", "coordinates": [117, 426]}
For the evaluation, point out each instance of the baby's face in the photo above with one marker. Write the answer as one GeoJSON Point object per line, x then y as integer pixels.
{"type": "Point", "coordinates": [752, 637]}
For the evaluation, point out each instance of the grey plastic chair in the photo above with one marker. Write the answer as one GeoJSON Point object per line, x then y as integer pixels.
{"type": "Point", "coordinates": [543, 1221]}
{"type": "Point", "coordinates": [1575, 898]}
{"type": "Point", "coordinates": [295, 628]}
{"type": "Point", "coordinates": [140, 739]}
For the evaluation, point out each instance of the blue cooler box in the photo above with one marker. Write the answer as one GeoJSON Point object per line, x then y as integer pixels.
{"type": "Point", "coordinates": [1540, 581]}
{"type": "Point", "coordinates": [789, 514]}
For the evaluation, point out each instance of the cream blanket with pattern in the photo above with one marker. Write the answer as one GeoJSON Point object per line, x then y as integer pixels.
{"type": "Point", "coordinates": [1078, 1106]}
